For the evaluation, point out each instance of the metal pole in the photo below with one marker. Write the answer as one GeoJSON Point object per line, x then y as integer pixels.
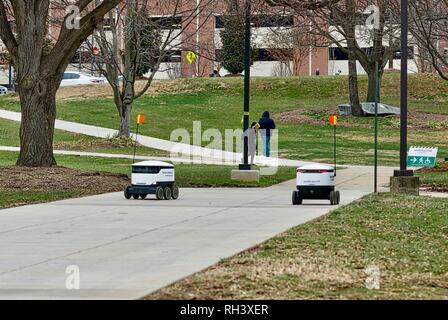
{"type": "Point", "coordinates": [404, 91]}
{"type": "Point", "coordinates": [135, 143]}
{"type": "Point", "coordinates": [377, 88]}
{"type": "Point", "coordinates": [335, 156]}
{"type": "Point", "coordinates": [247, 54]}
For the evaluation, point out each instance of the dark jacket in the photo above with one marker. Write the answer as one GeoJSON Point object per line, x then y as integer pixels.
{"type": "Point", "coordinates": [266, 123]}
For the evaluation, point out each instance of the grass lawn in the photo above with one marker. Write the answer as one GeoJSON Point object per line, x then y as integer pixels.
{"type": "Point", "coordinates": [404, 237]}
{"type": "Point", "coordinates": [16, 198]}
{"type": "Point", "coordinates": [63, 140]}
{"type": "Point", "coordinates": [304, 134]}
{"type": "Point", "coordinates": [186, 176]}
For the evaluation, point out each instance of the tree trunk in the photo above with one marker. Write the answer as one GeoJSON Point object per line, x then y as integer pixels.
{"type": "Point", "coordinates": [125, 120]}
{"type": "Point", "coordinates": [353, 87]}
{"type": "Point", "coordinates": [38, 106]}
{"type": "Point", "coordinates": [371, 89]}
{"type": "Point", "coordinates": [352, 70]}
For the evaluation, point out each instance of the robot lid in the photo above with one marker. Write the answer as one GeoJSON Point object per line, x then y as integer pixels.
{"type": "Point", "coordinates": [316, 166]}
{"type": "Point", "coordinates": [153, 164]}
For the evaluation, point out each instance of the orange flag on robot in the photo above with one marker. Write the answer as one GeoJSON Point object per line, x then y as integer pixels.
{"type": "Point", "coordinates": [140, 119]}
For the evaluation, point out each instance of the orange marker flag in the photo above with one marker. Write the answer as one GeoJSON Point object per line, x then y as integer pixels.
{"type": "Point", "coordinates": [333, 120]}
{"type": "Point", "coordinates": [140, 118]}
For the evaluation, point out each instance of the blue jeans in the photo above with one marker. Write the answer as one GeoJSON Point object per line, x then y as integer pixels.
{"type": "Point", "coordinates": [267, 146]}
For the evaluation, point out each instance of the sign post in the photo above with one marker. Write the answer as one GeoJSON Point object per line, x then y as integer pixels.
{"type": "Point", "coordinates": [334, 122]}
{"type": "Point", "coordinates": [191, 58]}
{"type": "Point", "coordinates": [377, 90]}
{"type": "Point", "coordinates": [140, 120]}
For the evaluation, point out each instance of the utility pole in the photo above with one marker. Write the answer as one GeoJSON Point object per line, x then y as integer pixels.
{"type": "Point", "coordinates": [404, 92]}
{"type": "Point", "coordinates": [404, 180]}
{"type": "Point", "coordinates": [247, 51]}
{"type": "Point", "coordinates": [377, 90]}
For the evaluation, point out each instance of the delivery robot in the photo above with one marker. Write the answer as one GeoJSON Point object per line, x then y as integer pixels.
{"type": "Point", "coordinates": [316, 181]}
{"type": "Point", "coordinates": [152, 177]}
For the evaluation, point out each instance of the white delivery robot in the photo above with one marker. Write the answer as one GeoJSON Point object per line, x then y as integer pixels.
{"type": "Point", "coordinates": [316, 181]}
{"type": "Point", "coordinates": [152, 177]}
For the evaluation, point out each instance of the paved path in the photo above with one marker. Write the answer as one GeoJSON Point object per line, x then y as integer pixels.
{"type": "Point", "coordinates": [195, 153]}
{"type": "Point", "coordinates": [127, 248]}
{"type": "Point", "coordinates": [434, 194]}
{"type": "Point", "coordinates": [128, 156]}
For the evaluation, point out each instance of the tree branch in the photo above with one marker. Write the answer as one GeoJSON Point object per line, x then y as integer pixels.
{"type": "Point", "coordinates": [6, 33]}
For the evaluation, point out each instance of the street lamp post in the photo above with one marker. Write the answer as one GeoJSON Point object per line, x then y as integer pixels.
{"type": "Point", "coordinates": [247, 51]}
{"type": "Point", "coordinates": [404, 92]}
{"type": "Point", "coordinates": [404, 180]}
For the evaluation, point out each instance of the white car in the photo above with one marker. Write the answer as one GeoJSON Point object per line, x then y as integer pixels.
{"type": "Point", "coordinates": [3, 90]}
{"type": "Point", "coordinates": [73, 78]}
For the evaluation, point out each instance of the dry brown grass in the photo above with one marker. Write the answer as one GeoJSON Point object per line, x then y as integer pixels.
{"type": "Point", "coordinates": [327, 259]}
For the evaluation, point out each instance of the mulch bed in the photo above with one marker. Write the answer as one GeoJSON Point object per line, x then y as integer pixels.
{"type": "Point", "coordinates": [442, 167]}
{"type": "Point", "coordinates": [60, 179]}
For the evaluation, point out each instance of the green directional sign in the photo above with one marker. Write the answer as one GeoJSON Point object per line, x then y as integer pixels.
{"type": "Point", "coordinates": [422, 157]}
{"type": "Point", "coordinates": [421, 161]}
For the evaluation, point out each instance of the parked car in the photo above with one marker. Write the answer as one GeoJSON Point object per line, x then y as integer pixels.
{"type": "Point", "coordinates": [3, 90]}
{"type": "Point", "coordinates": [73, 78]}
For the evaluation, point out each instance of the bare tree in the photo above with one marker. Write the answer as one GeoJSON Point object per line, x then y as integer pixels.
{"type": "Point", "coordinates": [353, 33]}
{"type": "Point", "coordinates": [290, 45]}
{"type": "Point", "coordinates": [24, 28]}
{"type": "Point", "coordinates": [344, 23]}
{"type": "Point", "coordinates": [143, 37]}
{"type": "Point", "coordinates": [429, 27]}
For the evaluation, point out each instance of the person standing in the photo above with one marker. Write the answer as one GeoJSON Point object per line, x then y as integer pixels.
{"type": "Point", "coordinates": [266, 126]}
{"type": "Point", "coordinates": [251, 135]}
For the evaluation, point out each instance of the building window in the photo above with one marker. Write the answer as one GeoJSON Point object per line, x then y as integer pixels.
{"type": "Point", "coordinates": [219, 22]}
{"type": "Point", "coordinates": [335, 53]}
{"type": "Point", "coordinates": [262, 21]}
{"type": "Point", "coordinates": [266, 54]}
{"type": "Point", "coordinates": [168, 23]}
{"type": "Point", "coordinates": [172, 56]}
{"type": "Point", "coordinates": [273, 21]}
{"type": "Point", "coordinates": [397, 54]}
{"type": "Point", "coordinates": [275, 54]}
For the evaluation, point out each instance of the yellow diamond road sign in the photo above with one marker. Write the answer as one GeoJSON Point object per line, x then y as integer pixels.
{"type": "Point", "coordinates": [191, 56]}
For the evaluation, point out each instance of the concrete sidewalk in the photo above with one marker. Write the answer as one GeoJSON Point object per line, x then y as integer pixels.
{"type": "Point", "coordinates": [195, 153]}
{"type": "Point", "coordinates": [126, 249]}
{"type": "Point", "coordinates": [128, 156]}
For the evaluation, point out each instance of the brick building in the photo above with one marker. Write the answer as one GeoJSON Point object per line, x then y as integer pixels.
{"type": "Point", "coordinates": [201, 34]}
{"type": "Point", "coordinates": [316, 56]}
